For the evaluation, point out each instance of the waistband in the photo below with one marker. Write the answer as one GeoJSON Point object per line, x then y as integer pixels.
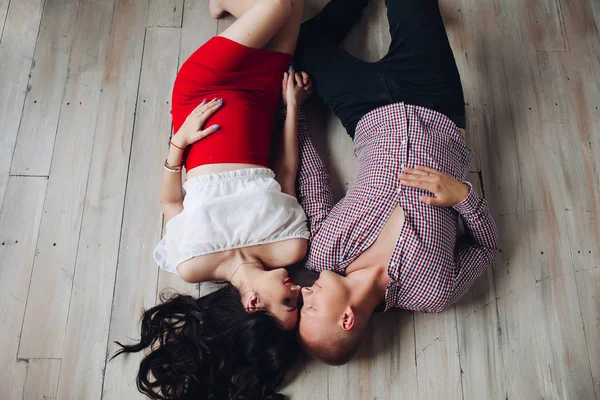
{"type": "Point", "coordinates": [240, 174]}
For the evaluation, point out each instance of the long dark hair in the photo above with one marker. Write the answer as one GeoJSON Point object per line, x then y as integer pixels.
{"type": "Point", "coordinates": [211, 348]}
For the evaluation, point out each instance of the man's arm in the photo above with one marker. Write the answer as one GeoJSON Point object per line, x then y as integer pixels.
{"type": "Point", "coordinates": [479, 246]}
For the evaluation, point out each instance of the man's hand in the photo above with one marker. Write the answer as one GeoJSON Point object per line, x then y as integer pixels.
{"type": "Point", "coordinates": [446, 190]}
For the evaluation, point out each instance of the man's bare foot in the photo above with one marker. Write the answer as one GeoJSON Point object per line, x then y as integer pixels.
{"type": "Point", "coordinates": [215, 10]}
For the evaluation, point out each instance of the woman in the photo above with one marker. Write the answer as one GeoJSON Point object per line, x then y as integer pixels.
{"type": "Point", "coordinates": [237, 220]}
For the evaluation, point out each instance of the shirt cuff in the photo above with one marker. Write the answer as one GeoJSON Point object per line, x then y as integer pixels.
{"type": "Point", "coordinates": [469, 204]}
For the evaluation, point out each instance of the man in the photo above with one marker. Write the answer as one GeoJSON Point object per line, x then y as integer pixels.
{"type": "Point", "coordinates": [393, 238]}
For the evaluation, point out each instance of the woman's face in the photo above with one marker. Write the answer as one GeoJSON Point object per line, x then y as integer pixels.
{"type": "Point", "coordinates": [279, 295]}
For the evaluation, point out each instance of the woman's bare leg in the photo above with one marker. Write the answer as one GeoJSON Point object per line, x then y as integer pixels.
{"type": "Point", "coordinates": [285, 39]}
{"type": "Point", "coordinates": [270, 24]}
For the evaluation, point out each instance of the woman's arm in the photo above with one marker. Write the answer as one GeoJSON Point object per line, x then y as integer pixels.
{"type": "Point", "coordinates": [286, 166]}
{"type": "Point", "coordinates": [171, 190]}
{"type": "Point", "coordinates": [295, 89]}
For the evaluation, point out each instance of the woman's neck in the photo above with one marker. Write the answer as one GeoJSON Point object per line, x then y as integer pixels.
{"type": "Point", "coordinates": [239, 269]}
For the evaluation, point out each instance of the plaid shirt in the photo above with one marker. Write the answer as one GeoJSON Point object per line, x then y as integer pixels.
{"type": "Point", "coordinates": [429, 269]}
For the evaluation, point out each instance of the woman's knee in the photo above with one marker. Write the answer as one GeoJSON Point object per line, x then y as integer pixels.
{"type": "Point", "coordinates": [282, 8]}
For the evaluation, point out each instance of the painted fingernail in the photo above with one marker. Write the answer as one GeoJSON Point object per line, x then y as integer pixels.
{"type": "Point", "coordinates": [291, 68]}
{"type": "Point", "coordinates": [214, 99]}
{"type": "Point", "coordinates": [220, 101]}
{"type": "Point", "coordinates": [216, 127]}
{"type": "Point", "coordinates": [203, 102]}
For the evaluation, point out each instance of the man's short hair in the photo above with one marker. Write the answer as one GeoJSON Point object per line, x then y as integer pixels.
{"type": "Point", "coordinates": [334, 349]}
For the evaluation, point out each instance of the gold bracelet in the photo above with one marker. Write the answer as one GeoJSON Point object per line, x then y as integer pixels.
{"type": "Point", "coordinates": [172, 168]}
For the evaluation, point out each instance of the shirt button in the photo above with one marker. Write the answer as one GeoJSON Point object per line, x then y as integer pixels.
{"type": "Point", "coordinates": [401, 166]}
{"type": "Point", "coordinates": [403, 141]}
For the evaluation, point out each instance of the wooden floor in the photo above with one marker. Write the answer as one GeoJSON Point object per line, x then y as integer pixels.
{"type": "Point", "coordinates": [84, 122]}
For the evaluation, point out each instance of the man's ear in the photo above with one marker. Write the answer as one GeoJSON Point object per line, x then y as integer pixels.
{"type": "Point", "coordinates": [347, 322]}
{"type": "Point", "coordinates": [252, 304]}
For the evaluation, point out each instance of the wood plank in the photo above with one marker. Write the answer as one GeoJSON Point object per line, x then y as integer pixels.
{"type": "Point", "coordinates": [197, 27]}
{"type": "Point", "coordinates": [579, 142]}
{"type": "Point", "coordinates": [556, 104]}
{"type": "Point", "coordinates": [209, 287]}
{"type": "Point", "coordinates": [166, 13]}
{"type": "Point", "coordinates": [522, 340]}
{"type": "Point", "coordinates": [588, 286]}
{"type": "Point", "coordinates": [19, 227]}
{"type": "Point", "coordinates": [393, 369]}
{"type": "Point", "coordinates": [95, 269]}
{"type": "Point", "coordinates": [352, 380]}
{"type": "Point", "coordinates": [561, 319]}
{"type": "Point", "coordinates": [53, 269]}
{"type": "Point", "coordinates": [455, 20]}
{"type": "Point", "coordinates": [17, 48]}
{"type": "Point", "coordinates": [307, 379]}
{"type": "Point", "coordinates": [556, 169]}
{"type": "Point", "coordinates": [549, 244]}
{"type": "Point", "coordinates": [582, 70]}
{"type": "Point", "coordinates": [585, 122]}
{"type": "Point", "coordinates": [224, 23]}
{"type": "Point", "coordinates": [42, 379]}
{"type": "Point", "coordinates": [550, 328]}
{"type": "Point", "coordinates": [583, 232]}
{"type": "Point", "coordinates": [481, 360]}
{"type": "Point", "coordinates": [3, 11]}
{"type": "Point", "coordinates": [35, 141]}
{"type": "Point", "coordinates": [137, 273]}
{"type": "Point", "coordinates": [437, 358]}
{"type": "Point", "coordinates": [569, 363]}
{"type": "Point", "coordinates": [541, 22]}
{"type": "Point", "coordinates": [582, 24]}
{"type": "Point", "coordinates": [489, 116]}
{"type": "Point", "coordinates": [370, 38]}
{"type": "Point", "coordinates": [545, 150]}
{"type": "Point", "coordinates": [19, 376]}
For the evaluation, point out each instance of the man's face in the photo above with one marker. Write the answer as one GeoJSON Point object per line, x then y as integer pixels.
{"type": "Point", "coordinates": [324, 304]}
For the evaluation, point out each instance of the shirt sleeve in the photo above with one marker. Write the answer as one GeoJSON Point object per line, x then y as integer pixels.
{"type": "Point", "coordinates": [313, 184]}
{"type": "Point", "coordinates": [479, 245]}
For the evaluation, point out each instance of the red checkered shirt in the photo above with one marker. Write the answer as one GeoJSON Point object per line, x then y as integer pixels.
{"type": "Point", "coordinates": [429, 269]}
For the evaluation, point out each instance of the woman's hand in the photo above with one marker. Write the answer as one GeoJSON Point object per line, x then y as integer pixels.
{"type": "Point", "coordinates": [447, 191]}
{"type": "Point", "coordinates": [296, 87]}
{"type": "Point", "coordinates": [190, 132]}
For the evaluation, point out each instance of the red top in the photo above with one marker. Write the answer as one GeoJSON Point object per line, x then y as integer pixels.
{"type": "Point", "coordinates": [249, 82]}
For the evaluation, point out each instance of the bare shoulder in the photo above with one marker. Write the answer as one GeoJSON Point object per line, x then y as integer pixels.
{"type": "Point", "coordinates": [201, 268]}
{"type": "Point", "coordinates": [284, 253]}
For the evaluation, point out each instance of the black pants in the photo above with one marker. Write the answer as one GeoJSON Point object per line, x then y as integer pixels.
{"type": "Point", "coordinates": [419, 68]}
